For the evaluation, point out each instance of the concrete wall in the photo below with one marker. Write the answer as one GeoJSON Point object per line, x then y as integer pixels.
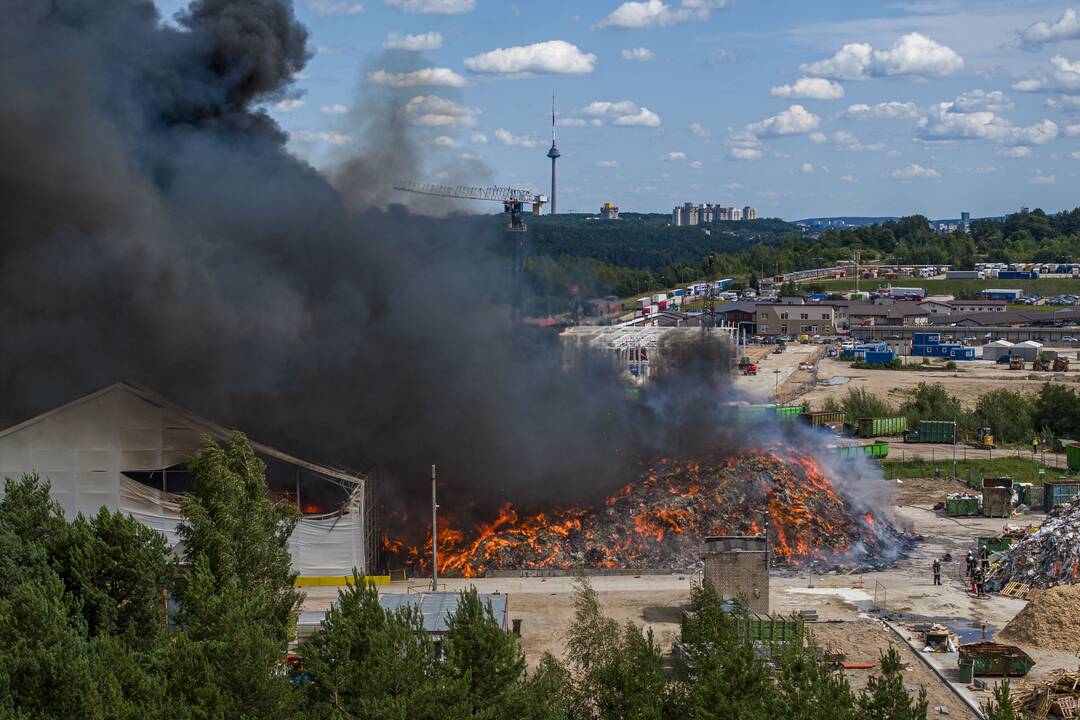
{"type": "Point", "coordinates": [739, 566]}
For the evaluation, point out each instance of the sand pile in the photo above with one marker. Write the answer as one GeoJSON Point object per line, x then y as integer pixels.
{"type": "Point", "coordinates": [1051, 620]}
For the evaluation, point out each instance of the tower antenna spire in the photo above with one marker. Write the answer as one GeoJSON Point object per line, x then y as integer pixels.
{"type": "Point", "coordinates": [554, 154]}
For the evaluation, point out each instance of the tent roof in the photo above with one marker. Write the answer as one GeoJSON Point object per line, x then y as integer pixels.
{"type": "Point", "coordinates": [999, 343]}
{"type": "Point", "coordinates": [219, 432]}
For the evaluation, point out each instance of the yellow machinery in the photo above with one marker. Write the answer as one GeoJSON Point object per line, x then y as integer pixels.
{"type": "Point", "coordinates": [985, 439]}
{"type": "Point", "coordinates": [1061, 364]}
{"type": "Point", "coordinates": [1016, 363]}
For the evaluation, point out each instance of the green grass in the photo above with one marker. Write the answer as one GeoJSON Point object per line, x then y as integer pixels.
{"type": "Point", "coordinates": [1019, 469]}
{"type": "Point", "coordinates": [1046, 287]}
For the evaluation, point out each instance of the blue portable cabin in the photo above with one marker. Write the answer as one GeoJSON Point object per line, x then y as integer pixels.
{"type": "Point", "coordinates": [959, 352]}
{"type": "Point", "coordinates": [1018, 275]}
{"type": "Point", "coordinates": [926, 338]}
{"type": "Point", "coordinates": [879, 358]}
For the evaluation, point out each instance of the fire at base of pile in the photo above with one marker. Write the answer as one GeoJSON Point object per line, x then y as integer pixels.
{"type": "Point", "coordinates": [660, 522]}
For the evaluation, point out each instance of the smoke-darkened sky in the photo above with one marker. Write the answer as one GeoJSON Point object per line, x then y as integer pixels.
{"type": "Point", "coordinates": [157, 229]}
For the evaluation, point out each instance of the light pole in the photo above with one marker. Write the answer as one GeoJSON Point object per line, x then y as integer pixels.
{"type": "Point", "coordinates": [434, 535]}
{"type": "Point", "coordinates": [776, 385]}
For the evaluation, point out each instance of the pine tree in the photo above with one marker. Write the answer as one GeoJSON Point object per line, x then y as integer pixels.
{"type": "Point", "coordinates": [368, 662]}
{"type": "Point", "coordinates": [237, 603]}
{"type": "Point", "coordinates": [1000, 707]}
{"type": "Point", "coordinates": [808, 689]}
{"type": "Point", "coordinates": [885, 697]}
{"type": "Point", "coordinates": [485, 657]}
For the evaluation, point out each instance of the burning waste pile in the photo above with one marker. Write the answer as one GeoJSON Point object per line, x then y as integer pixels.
{"type": "Point", "coordinates": [660, 521]}
{"type": "Point", "coordinates": [1048, 557]}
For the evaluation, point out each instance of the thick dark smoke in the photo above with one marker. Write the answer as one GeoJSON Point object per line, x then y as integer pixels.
{"type": "Point", "coordinates": [156, 229]}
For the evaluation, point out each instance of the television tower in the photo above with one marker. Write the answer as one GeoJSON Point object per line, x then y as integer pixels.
{"type": "Point", "coordinates": [554, 154]}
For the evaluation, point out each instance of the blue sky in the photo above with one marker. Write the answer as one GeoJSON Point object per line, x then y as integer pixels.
{"type": "Point", "coordinates": [797, 108]}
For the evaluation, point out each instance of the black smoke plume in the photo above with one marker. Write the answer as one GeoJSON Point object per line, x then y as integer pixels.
{"type": "Point", "coordinates": [155, 228]}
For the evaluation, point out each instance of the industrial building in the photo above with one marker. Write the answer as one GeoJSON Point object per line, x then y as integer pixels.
{"type": "Point", "coordinates": [125, 448]}
{"type": "Point", "coordinates": [738, 566]}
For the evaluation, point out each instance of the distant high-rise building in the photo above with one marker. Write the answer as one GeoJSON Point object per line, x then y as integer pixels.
{"type": "Point", "coordinates": [734, 214]}
{"type": "Point", "coordinates": [965, 221]}
{"type": "Point", "coordinates": [1024, 210]}
{"type": "Point", "coordinates": [705, 213]}
{"type": "Point", "coordinates": [749, 213]}
{"type": "Point", "coordinates": [609, 212]}
{"type": "Point", "coordinates": [676, 216]}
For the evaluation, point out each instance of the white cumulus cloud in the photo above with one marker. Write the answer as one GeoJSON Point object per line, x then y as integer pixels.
{"type": "Point", "coordinates": [336, 7]}
{"type": "Point", "coordinates": [572, 122]}
{"type": "Point", "coordinates": [639, 53]}
{"type": "Point", "coordinates": [331, 138]}
{"type": "Point", "coordinates": [675, 155]}
{"type": "Point", "coordinates": [478, 138]}
{"type": "Point", "coordinates": [979, 101]}
{"type": "Point", "coordinates": [891, 110]}
{"type": "Point", "coordinates": [744, 145]}
{"type": "Point", "coordinates": [444, 141]}
{"type": "Point", "coordinates": [553, 56]}
{"type": "Point", "coordinates": [656, 13]}
{"type": "Point", "coordinates": [333, 109]}
{"type": "Point", "coordinates": [818, 138]}
{"type": "Point", "coordinates": [810, 88]}
{"type": "Point", "coordinates": [288, 105]}
{"type": "Point", "coordinates": [942, 123]}
{"type": "Point", "coordinates": [796, 120]}
{"type": "Point", "coordinates": [435, 111]}
{"type": "Point", "coordinates": [848, 142]}
{"type": "Point", "coordinates": [849, 179]}
{"type": "Point", "coordinates": [806, 168]}
{"type": "Point", "coordinates": [1063, 77]}
{"type": "Point", "coordinates": [1014, 152]}
{"type": "Point", "coordinates": [1067, 27]}
{"type": "Point", "coordinates": [913, 54]}
{"type": "Point", "coordinates": [417, 78]}
{"type": "Point", "coordinates": [413, 43]}
{"type": "Point", "coordinates": [915, 172]}
{"type": "Point", "coordinates": [697, 164]}
{"type": "Point", "coordinates": [699, 130]}
{"type": "Point", "coordinates": [507, 138]}
{"type": "Point", "coordinates": [622, 112]}
{"type": "Point", "coordinates": [1043, 180]}
{"type": "Point", "coordinates": [434, 7]}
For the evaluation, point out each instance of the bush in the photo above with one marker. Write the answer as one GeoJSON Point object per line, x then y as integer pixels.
{"type": "Point", "coordinates": [1007, 414]}
{"type": "Point", "coordinates": [863, 404]}
{"type": "Point", "coordinates": [932, 402]}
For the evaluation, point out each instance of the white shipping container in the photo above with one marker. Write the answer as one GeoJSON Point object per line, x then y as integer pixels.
{"type": "Point", "coordinates": [659, 297]}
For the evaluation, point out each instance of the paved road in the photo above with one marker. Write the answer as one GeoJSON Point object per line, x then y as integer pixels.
{"type": "Point", "coordinates": [762, 387]}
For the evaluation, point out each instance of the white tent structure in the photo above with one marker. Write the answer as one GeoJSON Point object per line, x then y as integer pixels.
{"type": "Point", "coordinates": [1029, 350]}
{"type": "Point", "coordinates": [125, 448]}
{"type": "Point", "coordinates": [998, 348]}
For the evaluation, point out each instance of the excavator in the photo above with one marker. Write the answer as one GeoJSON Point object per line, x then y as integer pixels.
{"type": "Point", "coordinates": [1016, 363]}
{"type": "Point", "coordinates": [1040, 364]}
{"type": "Point", "coordinates": [1061, 364]}
{"type": "Point", "coordinates": [984, 440]}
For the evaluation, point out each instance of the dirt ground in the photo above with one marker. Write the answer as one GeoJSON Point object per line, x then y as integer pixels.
{"type": "Point", "coordinates": [976, 378]}
{"type": "Point", "coordinates": [767, 384]}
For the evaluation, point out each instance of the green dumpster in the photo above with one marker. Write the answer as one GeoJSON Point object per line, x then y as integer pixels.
{"type": "Point", "coordinates": [990, 658]}
{"type": "Point", "coordinates": [967, 671]}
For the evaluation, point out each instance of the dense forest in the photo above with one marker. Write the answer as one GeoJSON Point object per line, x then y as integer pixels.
{"type": "Point", "coordinates": [571, 257]}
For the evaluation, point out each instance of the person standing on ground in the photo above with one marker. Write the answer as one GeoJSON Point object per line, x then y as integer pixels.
{"type": "Point", "coordinates": [970, 563]}
{"type": "Point", "coordinates": [977, 582]}
{"type": "Point", "coordinates": [984, 554]}
{"type": "Point", "coordinates": [937, 572]}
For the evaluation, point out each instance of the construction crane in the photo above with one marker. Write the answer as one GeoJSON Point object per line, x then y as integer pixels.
{"type": "Point", "coordinates": [513, 201]}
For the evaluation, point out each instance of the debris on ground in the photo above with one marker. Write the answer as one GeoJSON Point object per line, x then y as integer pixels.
{"type": "Point", "coordinates": [1059, 696]}
{"type": "Point", "coordinates": [1046, 557]}
{"type": "Point", "coordinates": [1051, 620]}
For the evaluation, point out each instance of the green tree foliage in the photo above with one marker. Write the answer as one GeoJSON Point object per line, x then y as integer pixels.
{"type": "Point", "coordinates": [1008, 415]}
{"type": "Point", "coordinates": [932, 402]}
{"type": "Point", "coordinates": [483, 656]}
{"type": "Point", "coordinates": [1000, 707]}
{"type": "Point", "coordinates": [725, 677]}
{"type": "Point", "coordinates": [1057, 409]}
{"type": "Point", "coordinates": [618, 670]}
{"type": "Point", "coordinates": [860, 403]}
{"type": "Point", "coordinates": [369, 662]}
{"type": "Point", "coordinates": [885, 697]}
{"type": "Point", "coordinates": [808, 689]}
{"type": "Point", "coordinates": [238, 604]}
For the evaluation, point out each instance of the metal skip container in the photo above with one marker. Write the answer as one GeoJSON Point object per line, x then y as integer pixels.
{"type": "Point", "coordinates": [881, 427]}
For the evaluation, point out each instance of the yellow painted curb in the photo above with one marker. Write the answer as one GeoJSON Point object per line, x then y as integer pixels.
{"type": "Point", "coordinates": [332, 580]}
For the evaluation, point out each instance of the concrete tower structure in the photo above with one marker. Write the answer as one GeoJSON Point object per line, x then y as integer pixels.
{"type": "Point", "coordinates": [554, 154]}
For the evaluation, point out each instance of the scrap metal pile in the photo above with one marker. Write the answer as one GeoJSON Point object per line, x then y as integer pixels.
{"type": "Point", "coordinates": [660, 521]}
{"type": "Point", "coordinates": [1048, 557]}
